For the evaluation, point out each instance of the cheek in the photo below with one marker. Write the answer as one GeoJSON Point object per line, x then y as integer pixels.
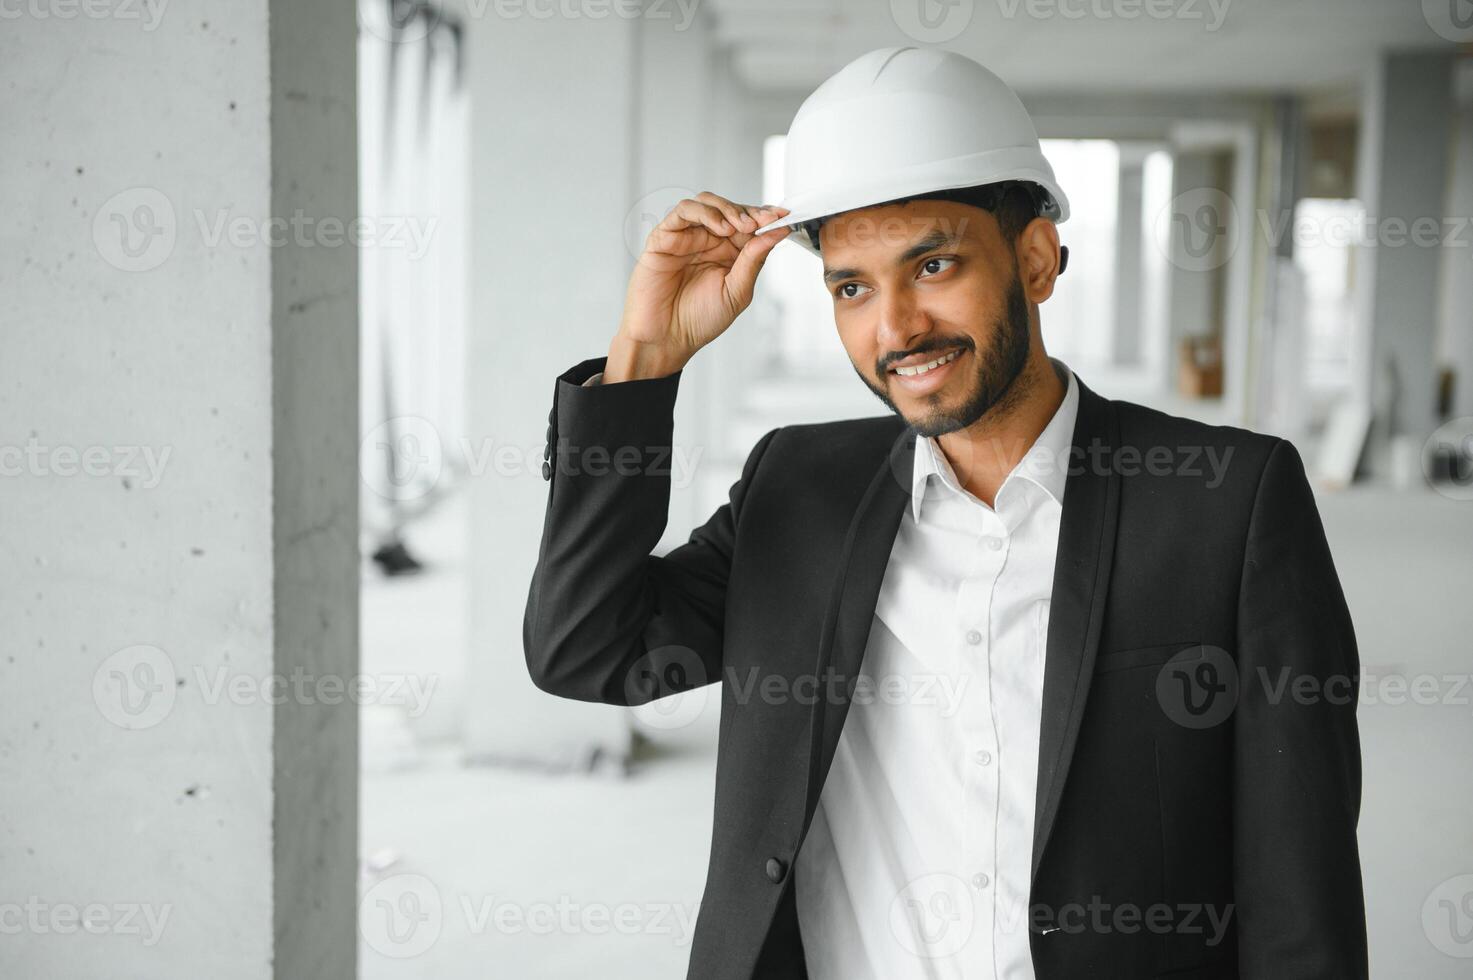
{"type": "Point", "coordinates": [858, 337]}
{"type": "Point", "coordinates": [966, 307]}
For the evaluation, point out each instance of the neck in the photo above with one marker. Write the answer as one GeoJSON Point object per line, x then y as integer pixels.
{"type": "Point", "coordinates": [985, 452]}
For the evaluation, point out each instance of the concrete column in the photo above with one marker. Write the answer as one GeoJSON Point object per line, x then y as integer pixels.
{"type": "Point", "coordinates": [1457, 259]}
{"type": "Point", "coordinates": [315, 489]}
{"type": "Point", "coordinates": [1211, 251]}
{"type": "Point", "coordinates": [178, 462]}
{"type": "Point", "coordinates": [1129, 241]}
{"type": "Point", "coordinates": [1407, 116]}
{"type": "Point", "coordinates": [1201, 242]}
{"type": "Point", "coordinates": [1275, 364]}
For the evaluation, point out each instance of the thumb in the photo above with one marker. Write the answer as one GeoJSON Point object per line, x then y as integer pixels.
{"type": "Point", "coordinates": [742, 279]}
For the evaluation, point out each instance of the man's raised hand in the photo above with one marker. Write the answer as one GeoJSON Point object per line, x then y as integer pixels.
{"type": "Point", "coordinates": [695, 276]}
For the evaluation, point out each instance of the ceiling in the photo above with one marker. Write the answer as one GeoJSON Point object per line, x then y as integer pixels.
{"type": "Point", "coordinates": [1086, 46]}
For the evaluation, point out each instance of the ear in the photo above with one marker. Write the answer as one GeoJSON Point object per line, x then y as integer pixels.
{"type": "Point", "coordinates": [1039, 261]}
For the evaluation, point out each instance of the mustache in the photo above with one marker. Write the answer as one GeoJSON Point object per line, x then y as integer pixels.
{"type": "Point", "coordinates": [933, 345]}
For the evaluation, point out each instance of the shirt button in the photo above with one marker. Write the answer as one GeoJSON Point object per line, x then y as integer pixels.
{"type": "Point", "coordinates": [993, 543]}
{"type": "Point", "coordinates": [981, 880]}
{"type": "Point", "coordinates": [973, 637]}
{"type": "Point", "coordinates": [983, 757]}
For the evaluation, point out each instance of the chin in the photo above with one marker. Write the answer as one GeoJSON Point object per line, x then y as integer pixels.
{"type": "Point", "coordinates": [934, 424]}
{"type": "Point", "coordinates": [933, 416]}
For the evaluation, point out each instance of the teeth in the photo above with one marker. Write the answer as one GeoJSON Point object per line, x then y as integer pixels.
{"type": "Point", "coordinates": [911, 372]}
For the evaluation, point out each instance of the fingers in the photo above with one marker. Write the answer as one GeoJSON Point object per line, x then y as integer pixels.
{"type": "Point", "coordinates": [741, 281]}
{"type": "Point", "coordinates": [743, 217]}
{"type": "Point", "coordinates": [736, 216]}
{"type": "Point", "coordinates": [716, 215]}
{"type": "Point", "coordinates": [692, 213]}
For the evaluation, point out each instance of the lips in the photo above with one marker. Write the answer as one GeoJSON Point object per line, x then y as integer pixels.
{"type": "Point", "coordinates": [915, 370]}
{"type": "Point", "coordinates": [924, 374]}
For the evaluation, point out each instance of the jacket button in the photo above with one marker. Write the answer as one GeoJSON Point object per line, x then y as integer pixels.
{"type": "Point", "coordinates": [546, 470]}
{"type": "Point", "coordinates": [776, 869]}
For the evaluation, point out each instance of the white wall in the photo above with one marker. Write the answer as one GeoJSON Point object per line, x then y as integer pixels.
{"type": "Point", "coordinates": [551, 174]}
{"type": "Point", "coordinates": [647, 113]}
{"type": "Point", "coordinates": [1403, 164]}
{"type": "Point", "coordinates": [674, 113]}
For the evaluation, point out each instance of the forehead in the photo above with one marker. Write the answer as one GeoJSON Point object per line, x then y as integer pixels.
{"type": "Point", "coordinates": [891, 231]}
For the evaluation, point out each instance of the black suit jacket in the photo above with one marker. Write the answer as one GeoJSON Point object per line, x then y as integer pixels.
{"type": "Point", "coordinates": [1199, 768]}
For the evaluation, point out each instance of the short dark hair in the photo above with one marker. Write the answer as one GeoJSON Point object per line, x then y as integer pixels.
{"type": "Point", "coordinates": [1014, 203]}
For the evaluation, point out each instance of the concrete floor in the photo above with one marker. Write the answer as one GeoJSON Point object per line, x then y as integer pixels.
{"type": "Point", "coordinates": [615, 867]}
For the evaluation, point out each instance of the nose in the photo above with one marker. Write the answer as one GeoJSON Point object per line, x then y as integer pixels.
{"type": "Point", "coordinates": [902, 321]}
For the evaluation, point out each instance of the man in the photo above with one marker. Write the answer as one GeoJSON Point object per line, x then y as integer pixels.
{"type": "Point", "coordinates": [1017, 682]}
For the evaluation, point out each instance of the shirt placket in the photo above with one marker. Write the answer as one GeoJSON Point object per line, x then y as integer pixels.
{"type": "Point", "coordinates": [979, 724]}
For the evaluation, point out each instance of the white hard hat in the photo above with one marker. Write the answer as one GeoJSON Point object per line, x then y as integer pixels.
{"type": "Point", "coordinates": [899, 122]}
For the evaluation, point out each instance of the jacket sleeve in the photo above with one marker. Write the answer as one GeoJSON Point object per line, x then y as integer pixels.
{"type": "Point", "coordinates": [1297, 879]}
{"type": "Point", "coordinates": [606, 620]}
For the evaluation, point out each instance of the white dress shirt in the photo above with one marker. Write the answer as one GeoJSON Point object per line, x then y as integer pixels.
{"type": "Point", "coordinates": [918, 860]}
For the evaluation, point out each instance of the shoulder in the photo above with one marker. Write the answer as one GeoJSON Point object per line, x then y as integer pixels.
{"type": "Point", "coordinates": [845, 434]}
{"type": "Point", "coordinates": [1194, 481]}
{"type": "Point", "coordinates": [831, 450]}
{"type": "Point", "coordinates": [1239, 454]}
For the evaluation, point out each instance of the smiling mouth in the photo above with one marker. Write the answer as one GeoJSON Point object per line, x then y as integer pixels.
{"type": "Point", "coordinates": [916, 370]}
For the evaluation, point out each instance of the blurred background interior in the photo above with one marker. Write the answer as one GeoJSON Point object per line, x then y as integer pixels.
{"type": "Point", "coordinates": [1270, 229]}
{"type": "Point", "coordinates": [1231, 261]}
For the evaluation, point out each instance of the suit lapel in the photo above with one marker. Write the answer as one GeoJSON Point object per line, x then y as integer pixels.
{"type": "Point", "coordinates": [1076, 611]}
{"type": "Point", "coordinates": [862, 562]}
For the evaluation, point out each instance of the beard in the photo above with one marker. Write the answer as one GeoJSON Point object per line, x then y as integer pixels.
{"type": "Point", "coordinates": [993, 388]}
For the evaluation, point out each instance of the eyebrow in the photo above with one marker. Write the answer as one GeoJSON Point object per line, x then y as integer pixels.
{"type": "Point", "coordinates": [934, 240]}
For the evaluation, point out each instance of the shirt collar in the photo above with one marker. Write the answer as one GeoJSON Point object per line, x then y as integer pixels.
{"type": "Point", "coordinates": [1045, 464]}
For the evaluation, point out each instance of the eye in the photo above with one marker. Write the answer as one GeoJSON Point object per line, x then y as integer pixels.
{"type": "Point", "coordinates": [849, 290]}
{"type": "Point", "coordinates": [937, 265]}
